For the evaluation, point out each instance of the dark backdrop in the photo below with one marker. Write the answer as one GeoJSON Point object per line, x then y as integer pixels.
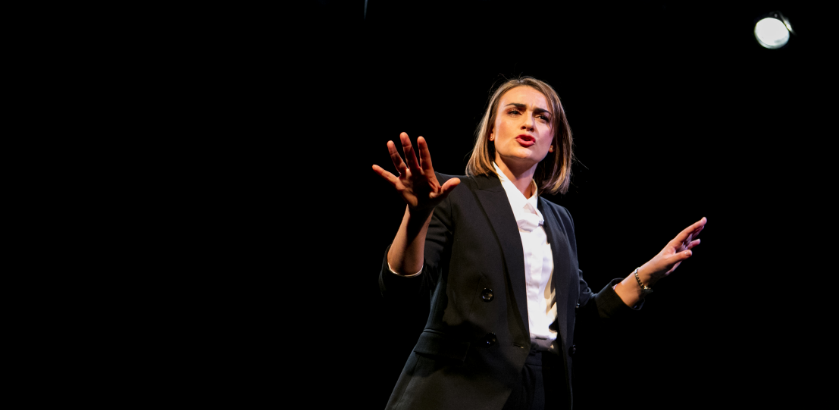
{"type": "Point", "coordinates": [677, 114]}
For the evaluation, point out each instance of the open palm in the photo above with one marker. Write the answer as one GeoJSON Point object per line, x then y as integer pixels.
{"type": "Point", "coordinates": [416, 181]}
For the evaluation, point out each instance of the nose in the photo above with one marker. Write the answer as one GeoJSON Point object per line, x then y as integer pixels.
{"type": "Point", "coordinates": [528, 122]}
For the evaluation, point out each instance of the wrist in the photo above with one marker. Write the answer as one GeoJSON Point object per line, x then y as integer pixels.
{"type": "Point", "coordinates": [643, 285]}
{"type": "Point", "coordinates": [420, 214]}
{"type": "Point", "coordinates": [629, 284]}
{"type": "Point", "coordinates": [648, 275]}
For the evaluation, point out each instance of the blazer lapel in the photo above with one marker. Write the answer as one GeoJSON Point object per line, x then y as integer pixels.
{"type": "Point", "coordinates": [495, 203]}
{"type": "Point", "coordinates": [563, 267]}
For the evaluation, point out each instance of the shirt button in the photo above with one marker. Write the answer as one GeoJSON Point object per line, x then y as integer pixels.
{"type": "Point", "coordinates": [489, 340]}
{"type": "Point", "coordinates": [487, 295]}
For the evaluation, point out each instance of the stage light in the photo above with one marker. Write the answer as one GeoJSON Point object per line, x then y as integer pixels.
{"type": "Point", "coordinates": [773, 31]}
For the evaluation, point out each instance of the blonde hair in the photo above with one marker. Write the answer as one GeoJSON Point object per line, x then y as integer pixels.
{"type": "Point", "coordinates": [553, 174]}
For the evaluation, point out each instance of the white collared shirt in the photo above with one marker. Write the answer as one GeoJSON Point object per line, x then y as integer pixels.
{"type": "Point", "coordinates": [538, 263]}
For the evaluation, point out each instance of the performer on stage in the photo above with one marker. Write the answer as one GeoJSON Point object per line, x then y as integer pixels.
{"type": "Point", "coordinates": [500, 262]}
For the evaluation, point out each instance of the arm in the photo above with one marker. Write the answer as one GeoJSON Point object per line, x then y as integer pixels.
{"type": "Point", "coordinates": [421, 191]}
{"type": "Point", "coordinates": [408, 248]}
{"type": "Point", "coordinates": [663, 264]}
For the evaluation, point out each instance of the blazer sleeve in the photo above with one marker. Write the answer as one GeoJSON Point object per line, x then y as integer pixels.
{"type": "Point", "coordinates": [605, 304]}
{"type": "Point", "coordinates": [437, 250]}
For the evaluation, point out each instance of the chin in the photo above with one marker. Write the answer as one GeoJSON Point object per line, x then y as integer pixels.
{"type": "Point", "coordinates": [520, 158]}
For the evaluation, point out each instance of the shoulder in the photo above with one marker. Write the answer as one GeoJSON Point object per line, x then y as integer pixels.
{"type": "Point", "coordinates": [473, 182]}
{"type": "Point", "coordinates": [560, 211]}
{"type": "Point", "coordinates": [445, 177]}
{"type": "Point", "coordinates": [442, 178]}
{"type": "Point", "coordinates": [548, 204]}
{"type": "Point", "coordinates": [464, 195]}
{"type": "Point", "coordinates": [465, 180]}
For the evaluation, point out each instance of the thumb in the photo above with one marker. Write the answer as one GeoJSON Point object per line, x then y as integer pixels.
{"type": "Point", "coordinates": [449, 186]}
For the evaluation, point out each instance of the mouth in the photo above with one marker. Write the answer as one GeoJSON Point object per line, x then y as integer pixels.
{"type": "Point", "coordinates": [526, 140]}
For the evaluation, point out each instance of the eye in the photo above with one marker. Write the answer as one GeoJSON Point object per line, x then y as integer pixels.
{"type": "Point", "coordinates": [514, 112]}
{"type": "Point", "coordinates": [544, 118]}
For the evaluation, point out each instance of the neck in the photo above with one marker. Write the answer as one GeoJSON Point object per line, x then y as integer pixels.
{"type": "Point", "coordinates": [520, 176]}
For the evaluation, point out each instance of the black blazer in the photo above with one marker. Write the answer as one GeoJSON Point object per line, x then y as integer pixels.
{"type": "Point", "coordinates": [476, 340]}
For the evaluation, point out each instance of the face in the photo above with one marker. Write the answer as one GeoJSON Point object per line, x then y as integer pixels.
{"type": "Point", "coordinates": [522, 131]}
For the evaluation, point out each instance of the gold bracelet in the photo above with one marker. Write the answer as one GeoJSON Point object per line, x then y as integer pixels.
{"type": "Point", "coordinates": [645, 290]}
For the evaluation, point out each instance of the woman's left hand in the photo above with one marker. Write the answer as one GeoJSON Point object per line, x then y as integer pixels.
{"type": "Point", "coordinates": [672, 255]}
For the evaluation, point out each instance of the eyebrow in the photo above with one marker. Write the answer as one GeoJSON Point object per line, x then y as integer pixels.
{"type": "Point", "coordinates": [523, 107]}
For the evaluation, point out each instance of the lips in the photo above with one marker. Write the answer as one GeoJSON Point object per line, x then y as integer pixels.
{"type": "Point", "coordinates": [526, 140]}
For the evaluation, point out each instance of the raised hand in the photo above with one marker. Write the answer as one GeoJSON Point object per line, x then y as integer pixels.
{"type": "Point", "coordinates": [676, 251]}
{"type": "Point", "coordinates": [416, 181]}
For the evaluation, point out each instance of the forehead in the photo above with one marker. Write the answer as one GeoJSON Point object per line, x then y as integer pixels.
{"type": "Point", "coordinates": [524, 95]}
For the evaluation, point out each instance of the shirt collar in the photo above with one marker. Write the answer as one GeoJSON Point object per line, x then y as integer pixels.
{"type": "Point", "coordinates": [516, 198]}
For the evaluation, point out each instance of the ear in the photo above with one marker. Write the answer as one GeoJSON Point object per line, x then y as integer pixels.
{"type": "Point", "coordinates": [551, 149]}
{"type": "Point", "coordinates": [492, 133]}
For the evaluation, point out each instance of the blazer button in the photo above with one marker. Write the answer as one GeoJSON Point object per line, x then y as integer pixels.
{"type": "Point", "coordinates": [487, 295]}
{"type": "Point", "coordinates": [573, 350]}
{"type": "Point", "coordinates": [489, 340]}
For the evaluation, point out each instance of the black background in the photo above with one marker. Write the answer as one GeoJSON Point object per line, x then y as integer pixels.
{"type": "Point", "coordinates": [677, 114]}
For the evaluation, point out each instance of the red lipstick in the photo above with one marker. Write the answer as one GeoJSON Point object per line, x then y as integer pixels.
{"type": "Point", "coordinates": [526, 140]}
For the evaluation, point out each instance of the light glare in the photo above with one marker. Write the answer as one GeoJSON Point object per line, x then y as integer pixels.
{"type": "Point", "coordinates": [771, 33]}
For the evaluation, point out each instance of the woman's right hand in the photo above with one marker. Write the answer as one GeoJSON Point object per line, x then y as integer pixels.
{"type": "Point", "coordinates": [416, 181]}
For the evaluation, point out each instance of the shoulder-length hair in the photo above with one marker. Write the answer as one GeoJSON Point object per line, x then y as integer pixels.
{"type": "Point", "coordinates": [553, 174]}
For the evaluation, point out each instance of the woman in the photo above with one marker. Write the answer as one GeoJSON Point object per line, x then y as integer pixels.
{"type": "Point", "coordinates": [501, 263]}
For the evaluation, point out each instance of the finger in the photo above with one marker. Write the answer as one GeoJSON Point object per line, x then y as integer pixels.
{"type": "Point", "coordinates": [700, 226]}
{"type": "Point", "coordinates": [401, 167]}
{"type": "Point", "coordinates": [408, 149]}
{"type": "Point", "coordinates": [386, 175]}
{"type": "Point", "coordinates": [395, 157]}
{"type": "Point", "coordinates": [672, 268]}
{"type": "Point", "coordinates": [678, 257]}
{"type": "Point", "coordinates": [424, 156]}
{"type": "Point", "coordinates": [683, 235]}
{"type": "Point", "coordinates": [449, 186]}
{"type": "Point", "coordinates": [693, 243]}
